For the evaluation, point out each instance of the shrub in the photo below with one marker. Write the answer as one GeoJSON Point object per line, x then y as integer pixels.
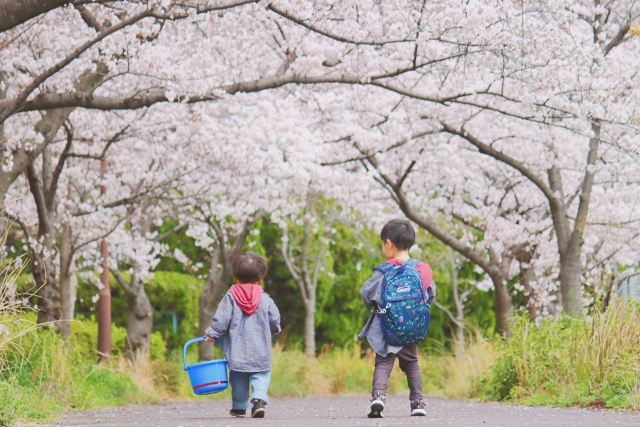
{"type": "Point", "coordinates": [591, 361]}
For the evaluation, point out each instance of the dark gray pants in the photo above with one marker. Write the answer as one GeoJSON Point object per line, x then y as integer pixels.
{"type": "Point", "coordinates": [408, 358]}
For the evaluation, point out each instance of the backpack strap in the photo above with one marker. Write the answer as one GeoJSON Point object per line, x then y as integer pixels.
{"type": "Point", "coordinates": [383, 268]}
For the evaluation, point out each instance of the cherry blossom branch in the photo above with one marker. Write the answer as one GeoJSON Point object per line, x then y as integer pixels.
{"type": "Point", "coordinates": [109, 143]}
{"type": "Point", "coordinates": [88, 17]}
{"type": "Point", "coordinates": [386, 150]}
{"type": "Point", "coordinates": [18, 102]}
{"type": "Point", "coordinates": [431, 226]}
{"type": "Point", "coordinates": [105, 234]}
{"type": "Point", "coordinates": [51, 193]}
{"type": "Point", "coordinates": [147, 98]}
{"type": "Point", "coordinates": [219, 237]}
{"type": "Point", "coordinates": [330, 35]}
{"type": "Point", "coordinates": [504, 158]}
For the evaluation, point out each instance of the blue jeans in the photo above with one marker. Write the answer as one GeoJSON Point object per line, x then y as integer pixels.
{"type": "Point", "coordinates": [240, 382]}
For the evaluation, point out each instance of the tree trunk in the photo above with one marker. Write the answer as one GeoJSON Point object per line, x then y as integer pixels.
{"type": "Point", "coordinates": [502, 304]}
{"type": "Point", "coordinates": [73, 291]}
{"type": "Point", "coordinates": [4, 183]}
{"type": "Point", "coordinates": [209, 300]}
{"type": "Point", "coordinates": [569, 242]}
{"type": "Point", "coordinates": [571, 263]}
{"type": "Point", "coordinates": [16, 12]}
{"type": "Point", "coordinates": [458, 300]}
{"type": "Point", "coordinates": [139, 315]}
{"type": "Point", "coordinates": [299, 267]}
{"type": "Point", "coordinates": [44, 274]}
{"type": "Point", "coordinates": [139, 321]}
{"type": "Point", "coordinates": [310, 326]}
{"type": "Point", "coordinates": [571, 281]}
{"type": "Point", "coordinates": [460, 344]}
{"type": "Point", "coordinates": [528, 277]}
{"type": "Point", "coordinates": [66, 256]}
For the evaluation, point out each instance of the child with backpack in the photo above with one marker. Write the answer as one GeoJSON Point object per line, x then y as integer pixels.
{"type": "Point", "coordinates": [247, 318]}
{"type": "Point", "coordinates": [400, 291]}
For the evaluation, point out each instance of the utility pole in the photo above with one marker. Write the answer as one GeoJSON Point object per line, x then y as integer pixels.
{"type": "Point", "coordinates": [104, 295]}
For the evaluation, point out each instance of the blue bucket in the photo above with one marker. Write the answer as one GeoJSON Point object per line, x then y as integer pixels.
{"type": "Point", "coordinates": [206, 377]}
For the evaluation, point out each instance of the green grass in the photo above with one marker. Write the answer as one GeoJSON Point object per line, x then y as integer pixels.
{"type": "Point", "coordinates": [592, 362]}
{"type": "Point", "coordinates": [48, 378]}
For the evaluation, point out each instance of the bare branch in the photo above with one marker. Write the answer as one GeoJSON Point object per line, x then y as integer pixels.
{"type": "Point", "coordinates": [290, 264]}
{"type": "Point", "coordinates": [178, 228]}
{"type": "Point", "coordinates": [127, 288]}
{"type": "Point", "coordinates": [328, 34]}
{"type": "Point", "coordinates": [453, 318]}
{"type": "Point", "coordinates": [88, 18]}
{"type": "Point", "coordinates": [51, 193]}
{"type": "Point", "coordinates": [105, 234]}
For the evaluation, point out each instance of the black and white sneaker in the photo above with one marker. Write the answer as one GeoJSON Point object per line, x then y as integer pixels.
{"type": "Point", "coordinates": [377, 405]}
{"type": "Point", "coordinates": [417, 408]}
{"type": "Point", "coordinates": [240, 413]}
{"type": "Point", "coordinates": [257, 410]}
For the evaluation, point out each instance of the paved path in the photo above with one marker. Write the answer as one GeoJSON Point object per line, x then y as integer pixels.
{"type": "Point", "coordinates": [348, 411]}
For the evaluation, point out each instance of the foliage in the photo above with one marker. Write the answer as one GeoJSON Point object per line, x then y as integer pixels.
{"type": "Point", "coordinates": [84, 340]}
{"type": "Point", "coordinates": [48, 378]}
{"type": "Point", "coordinates": [171, 293]}
{"type": "Point", "coordinates": [591, 361]}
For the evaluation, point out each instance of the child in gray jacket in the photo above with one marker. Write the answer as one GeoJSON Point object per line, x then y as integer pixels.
{"type": "Point", "coordinates": [397, 238]}
{"type": "Point", "coordinates": [247, 318]}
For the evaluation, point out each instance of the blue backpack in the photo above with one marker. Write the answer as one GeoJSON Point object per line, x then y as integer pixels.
{"type": "Point", "coordinates": [404, 314]}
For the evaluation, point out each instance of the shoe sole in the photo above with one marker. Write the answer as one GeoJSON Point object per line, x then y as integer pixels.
{"type": "Point", "coordinates": [376, 411]}
{"type": "Point", "coordinates": [258, 413]}
{"type": "Point", "coordinates": [418, 413]}
{"type": "Point", "coordinates": [237, 415]}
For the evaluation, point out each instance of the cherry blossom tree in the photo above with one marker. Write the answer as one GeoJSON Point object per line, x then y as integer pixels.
{"type": "Point", "coordinates": [305, 258]}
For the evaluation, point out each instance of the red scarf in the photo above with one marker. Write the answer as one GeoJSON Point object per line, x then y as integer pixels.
{"type": "Point", "coordinates": [247, 297]}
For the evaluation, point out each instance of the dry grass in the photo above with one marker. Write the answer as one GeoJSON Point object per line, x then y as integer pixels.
{"type": "Point", "coordinates": [457, 375]}
{"type": "Point", "coordinates": [346, 370]}
{"type": "Point", "coordinates": [13, 326]}
{"type": "Point", "coordinates": [141, 373]}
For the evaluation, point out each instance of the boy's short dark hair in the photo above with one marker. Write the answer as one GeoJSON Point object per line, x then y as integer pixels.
{"type": "Point", "coordinates": [249, 267]}
{"type": "Point", "coordinates": [400, 232]}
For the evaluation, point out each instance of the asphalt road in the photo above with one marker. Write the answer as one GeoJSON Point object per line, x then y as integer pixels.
{"type": "Point", "coordinates": [348, 411]}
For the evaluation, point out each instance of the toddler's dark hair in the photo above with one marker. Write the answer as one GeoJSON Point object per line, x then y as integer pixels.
{"type": "Point", "coordinates": [249, 267]}
{"type": "Point", "coordinates": [400, 232]}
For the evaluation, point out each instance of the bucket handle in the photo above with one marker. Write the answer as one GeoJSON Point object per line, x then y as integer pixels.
{"type": "Point", "coordinates": [188, 343]}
